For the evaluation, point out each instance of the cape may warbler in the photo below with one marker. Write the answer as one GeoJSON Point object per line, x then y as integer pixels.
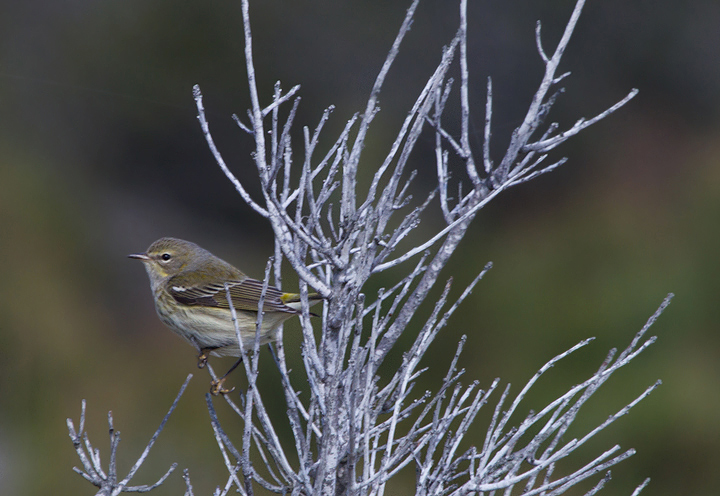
{"type": "Point", "coordinates": [188, 284]}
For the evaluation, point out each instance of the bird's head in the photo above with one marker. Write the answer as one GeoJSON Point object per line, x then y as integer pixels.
{"type": "Point", "coordinates": [167, 257]}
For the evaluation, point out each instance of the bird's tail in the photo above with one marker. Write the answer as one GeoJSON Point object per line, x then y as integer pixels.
{"type": "Point", "coordinates": [293, 300]}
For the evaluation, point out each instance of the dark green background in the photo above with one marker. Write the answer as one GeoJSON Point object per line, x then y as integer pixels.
{"type": "Point", "coordinates": [100, 154]}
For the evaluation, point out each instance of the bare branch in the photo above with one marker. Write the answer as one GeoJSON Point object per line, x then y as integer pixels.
{"type": "Point", "coordinates": [218, 157]}
{"type": "Point", "coordinates": [109, 484]}
{"type": "Point", "coordinates": [358, 425]}
{"type": "Point", "coordinates": [548, 144]}
{"type": "Point", "coordinates": [279, 101]}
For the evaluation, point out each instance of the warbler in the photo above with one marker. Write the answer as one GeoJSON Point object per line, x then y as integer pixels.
{"type": "Point", "coordinates": [189, 286]}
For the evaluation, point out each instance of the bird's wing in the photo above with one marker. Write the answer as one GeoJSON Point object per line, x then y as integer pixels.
{"type": "Point", "coordinates": [245, 295]}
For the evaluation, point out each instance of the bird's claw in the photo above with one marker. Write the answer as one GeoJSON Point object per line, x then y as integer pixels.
{"type": "Point", "coordinates": [203, 358]}
{"type": "Point", "coordinates": [216, 387]}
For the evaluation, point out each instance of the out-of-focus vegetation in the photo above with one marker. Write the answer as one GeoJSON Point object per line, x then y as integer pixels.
{"type": "Point", "coordinates": [100, 154]}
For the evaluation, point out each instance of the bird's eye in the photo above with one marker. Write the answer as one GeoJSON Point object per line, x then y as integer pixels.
{"type": "Point", "coordinates": [166, 256]}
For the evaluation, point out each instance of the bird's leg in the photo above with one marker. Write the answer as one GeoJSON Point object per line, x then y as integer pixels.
{"type": "Point", "coordinates": [204, 353]}
{"type": "Point", "coordinates": [216, 386]}
{"type": "Point", "coordinates": [203, 357]}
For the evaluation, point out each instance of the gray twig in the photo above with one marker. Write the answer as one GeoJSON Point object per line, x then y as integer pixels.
{"type": "Point", "coordinates": [345, 442]}
{"type": "Point", "coordinates": [90, 458]}
{"type": "Point", "coordinates": [356, 427]}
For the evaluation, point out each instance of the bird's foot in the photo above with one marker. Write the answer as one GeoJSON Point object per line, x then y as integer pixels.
{"type": "Point", "coordinates": [216, 387]}
{"type": "Point", "coordinates": [203, 357]}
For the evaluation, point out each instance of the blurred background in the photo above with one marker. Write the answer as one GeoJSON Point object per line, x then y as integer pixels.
{"type": "Point", "coordinates": [101, 153]}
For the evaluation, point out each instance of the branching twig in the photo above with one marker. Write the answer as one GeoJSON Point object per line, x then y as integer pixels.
{"type": "Point", "coordinates": [90, 458]}
{"type": "Point", "coordinates": [356, 426]}
{"type": "Point", "coordinates": [340, 429]}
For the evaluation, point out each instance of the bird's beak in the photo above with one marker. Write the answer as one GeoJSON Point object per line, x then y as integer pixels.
{"type": "Point", "coordinates": [140, 256]}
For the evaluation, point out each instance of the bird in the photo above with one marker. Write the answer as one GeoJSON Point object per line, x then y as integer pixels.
{"type": "Point", "coordinates": [190, 287]}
